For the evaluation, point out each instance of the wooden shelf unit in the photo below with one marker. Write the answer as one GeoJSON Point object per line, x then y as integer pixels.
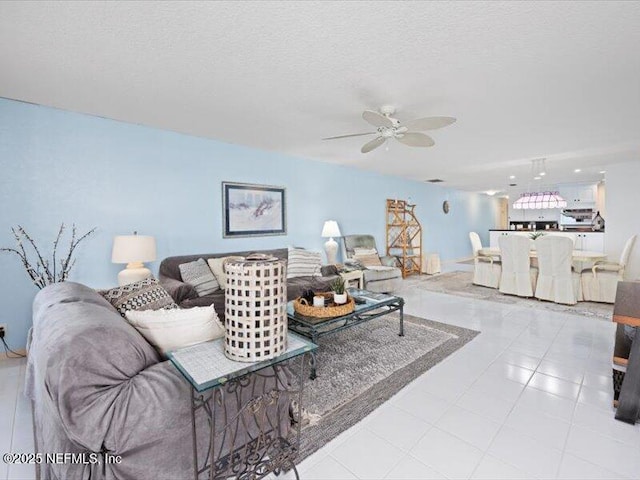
{"type": "Point", "coordinates": [404, 236]}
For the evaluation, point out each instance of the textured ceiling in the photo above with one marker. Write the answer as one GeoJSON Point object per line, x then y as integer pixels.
{"type": "Point", "coordinates": [525, 80]}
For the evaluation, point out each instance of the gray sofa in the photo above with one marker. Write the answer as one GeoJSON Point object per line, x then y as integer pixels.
{"type": "Point", "coordinates": [186, 296]}
{"type": "Point", "coordinates": [384, 279]}
{"type": "Point", "coordinates": [97, 386]}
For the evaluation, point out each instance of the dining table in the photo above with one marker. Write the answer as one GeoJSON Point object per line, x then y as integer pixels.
{"type": "Point", "coordinates": [578, 255]}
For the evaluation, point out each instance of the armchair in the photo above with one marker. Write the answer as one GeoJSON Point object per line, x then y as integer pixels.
{"type": "Point", "coordinates": [383, 278]}
{"type": "Point", "coordinates": [599, 283]}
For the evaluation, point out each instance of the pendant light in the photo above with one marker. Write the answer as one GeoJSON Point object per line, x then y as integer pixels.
{"type": "Point", "coordinates": [539, 200]}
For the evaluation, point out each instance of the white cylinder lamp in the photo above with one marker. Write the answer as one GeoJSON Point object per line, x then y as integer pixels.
{"type": "Point", "coordinates": [133, 250]}
{"type": "Point", "coordinates": [330, 230]}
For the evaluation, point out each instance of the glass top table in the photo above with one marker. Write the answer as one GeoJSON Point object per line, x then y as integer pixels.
{"type": "Point", "coordinates": [239, 434]}
{"type": "Point", "coordinates": [205, 365]}
{"type": "Point", "coordinates": [374, 305]}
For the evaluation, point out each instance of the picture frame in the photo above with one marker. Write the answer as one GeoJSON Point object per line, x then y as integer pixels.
{"type": "Point", "coordinates": [251, 210]}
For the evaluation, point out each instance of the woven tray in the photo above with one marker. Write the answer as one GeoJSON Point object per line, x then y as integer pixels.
{"type": "Point", "coordinates": [330, 310]}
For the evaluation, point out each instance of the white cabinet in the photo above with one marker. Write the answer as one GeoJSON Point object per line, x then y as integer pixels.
{"type": "Point", "coordinates": [593, 242]}
{"type": "Point", "coordinates": [579, 195]}
{"type": "Point", "coordinates": [494, 237]}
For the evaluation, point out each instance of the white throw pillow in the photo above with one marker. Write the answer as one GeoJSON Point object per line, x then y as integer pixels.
{"type": "Point", "coordinates": [169, 330]}
{"type": "Point", "coordinates": [217, 267]}
{"type": "Point", "coordinates": [304, 263]}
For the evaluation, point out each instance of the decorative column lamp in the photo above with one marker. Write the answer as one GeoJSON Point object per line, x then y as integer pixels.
{"type": "Point", "coordinates": [330, 230]}
{"type": "Point", "coordinates": [133, 250]}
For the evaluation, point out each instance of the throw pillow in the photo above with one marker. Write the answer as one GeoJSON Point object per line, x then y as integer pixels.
{"type": "Point", "coordinates": [217, 267]}
{"type": "Point", "coordinates": [169, 330]}
{"type": "Point", "coordinates": [304, 263]}
{"type": "Point", "coordinates": [146, 294]}
{"type": "Point", "coordinates": [365, 251]}
{"type": "Point", "coordinates": [368, 260]}
{"type": "Point", "coordinates": [200, 276]}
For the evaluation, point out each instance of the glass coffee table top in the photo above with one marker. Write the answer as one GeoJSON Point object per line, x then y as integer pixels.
{"type": "Point", "coordinates": [205, 365]}
{"type": "Point", "coordinates": [372, 301]}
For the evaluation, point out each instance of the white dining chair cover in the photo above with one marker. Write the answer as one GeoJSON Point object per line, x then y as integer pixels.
{"type": "Point", "coordinates": [599, 283]}
{"type": "Point", "coordinates": [486, 269]}
{"type": "Point", "coordinates": [518, 277]}
{"type": "Point", "coordinates": [557, 282]}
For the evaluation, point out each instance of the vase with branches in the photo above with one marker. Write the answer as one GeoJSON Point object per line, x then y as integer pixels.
{"type": "Point", "coordinates": [45, 271]}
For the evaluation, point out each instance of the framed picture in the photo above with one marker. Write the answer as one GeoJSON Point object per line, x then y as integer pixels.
{"type": "Point", "coordinates": [253, 210]}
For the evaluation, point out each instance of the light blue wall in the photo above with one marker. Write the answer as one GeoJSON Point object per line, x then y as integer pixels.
{"type": "Point", "coordinates": [60, 166]}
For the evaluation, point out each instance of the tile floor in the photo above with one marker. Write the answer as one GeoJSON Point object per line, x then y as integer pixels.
{"type": "Point", "coordinates": [528, 398]}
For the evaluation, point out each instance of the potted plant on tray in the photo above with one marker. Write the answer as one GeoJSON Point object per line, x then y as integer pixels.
{"type": "Point", "coordinates": [339, 294]}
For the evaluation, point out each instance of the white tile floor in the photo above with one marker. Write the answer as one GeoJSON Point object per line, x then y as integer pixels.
{"type": "Point", "coordinates": [528, 398]}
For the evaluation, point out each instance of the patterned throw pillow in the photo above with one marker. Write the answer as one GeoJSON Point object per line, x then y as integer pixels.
{"type": "Point", "coordinates": [199, 275]}
{"type": "Point", "coordinates": [304, 263]}
{"type": "Point", "coordinates": [146, 294]}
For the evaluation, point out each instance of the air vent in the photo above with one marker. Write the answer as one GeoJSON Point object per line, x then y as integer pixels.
{"type": "Point", "coordinates": [434, 180]}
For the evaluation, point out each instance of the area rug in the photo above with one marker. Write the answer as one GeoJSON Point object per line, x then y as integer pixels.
{"type": "Point", "coordinates": [362, 367]}
{"type": "Point", "coordinates": [459, 283]}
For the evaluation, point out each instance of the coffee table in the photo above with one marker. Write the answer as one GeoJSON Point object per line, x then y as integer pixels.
{"type": "Point", "coordinates": [376, 305]}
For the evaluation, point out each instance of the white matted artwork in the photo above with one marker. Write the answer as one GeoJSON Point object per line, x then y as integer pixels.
{"type": "Point", "coordinates": [253, 210]}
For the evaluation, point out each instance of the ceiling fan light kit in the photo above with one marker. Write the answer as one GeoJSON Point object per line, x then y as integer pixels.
{"type": "Point", "coordinates": [389, 127]}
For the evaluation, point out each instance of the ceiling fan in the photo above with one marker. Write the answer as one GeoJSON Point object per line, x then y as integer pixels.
{"type": "Point", "coordinates": [389, 127]}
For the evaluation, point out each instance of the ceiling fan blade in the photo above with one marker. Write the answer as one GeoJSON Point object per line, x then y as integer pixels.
{"type": "Point", "coordinates": [429, 123]}
{"type": "Point", "coordinates": [376, 119]}
{"type": "Point", "coordinates": [350, 135]}
{"type": "Point", "coordinates": [373, 144]}
{"type": "Point", "coordinates": [415, 139]}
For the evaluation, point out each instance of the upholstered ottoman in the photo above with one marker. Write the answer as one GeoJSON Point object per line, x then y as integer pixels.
{"type": "Point", "coordinates": [382, 279]}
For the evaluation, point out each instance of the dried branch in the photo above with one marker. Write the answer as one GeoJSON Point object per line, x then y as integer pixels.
{"type": "Point", "coordinates": [45, 272]}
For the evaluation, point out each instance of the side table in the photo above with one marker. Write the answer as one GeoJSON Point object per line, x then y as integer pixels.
{"type": "Point", "coordinates": [354, 278]}
{"type": "Point", "coordinates": [245, 438]}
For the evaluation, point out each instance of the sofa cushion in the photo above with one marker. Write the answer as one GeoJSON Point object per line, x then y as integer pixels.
{"type": "Point", "coordinates": [304, 263]}
{"type": "Point", "coordinates": [198, 274]}
{"type": "Point", "coordinates": [217, 267]}
{"type": "Point", "coordinates": [169, 330]}
{"type": "Point", "coordinates": [295, 286]}
{"type": "Point", "coordinates": [375, 274]}
{"type": "Point", "coordinates": [146, 294]}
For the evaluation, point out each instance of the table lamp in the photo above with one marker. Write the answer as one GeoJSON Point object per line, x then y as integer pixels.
{"type": "Point", "coordinates": [330, 230]}
{"type": "Point", "coordinates": [133, 250]}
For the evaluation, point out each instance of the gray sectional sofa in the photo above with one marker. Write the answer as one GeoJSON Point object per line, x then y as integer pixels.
{"type": "Point", "coordinates": [186, 296]}
{"type": "Point", "coordinates": [98, 387]}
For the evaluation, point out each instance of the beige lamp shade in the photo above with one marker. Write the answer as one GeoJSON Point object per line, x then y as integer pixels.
{"type": "Point", "coordinates": [330, 229]}
{"type": "Point", "coordinates": [133, 248]}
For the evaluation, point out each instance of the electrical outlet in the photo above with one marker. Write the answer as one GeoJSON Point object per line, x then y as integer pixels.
{"type": "Point", "coordinates": [3, 330]}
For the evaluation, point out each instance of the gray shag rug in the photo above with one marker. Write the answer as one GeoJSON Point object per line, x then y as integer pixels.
{"type": "Point", "coordinates": [460, 283]}
{"type": "Point", "coordinates": [361, 367]}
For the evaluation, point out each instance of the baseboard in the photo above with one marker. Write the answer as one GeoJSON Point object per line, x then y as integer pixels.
{"type": "Point", "coordinates": [458, 260]}
{"type": "Point", "coordinates": [3, 355]}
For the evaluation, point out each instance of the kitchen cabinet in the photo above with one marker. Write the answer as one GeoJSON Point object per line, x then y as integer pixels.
{"type": "Point", "coordinates": [593, 242]}
{"type": "Point", "coordinates": [579, 195]}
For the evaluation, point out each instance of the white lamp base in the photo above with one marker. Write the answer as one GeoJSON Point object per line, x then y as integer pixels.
{"type": "Point", "coordinates": [134, 272]}
{"type": "Point", "coordinates": [331, 249]}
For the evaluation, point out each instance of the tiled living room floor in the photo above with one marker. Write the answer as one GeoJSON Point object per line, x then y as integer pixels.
{"type": "Point", "coordinates": [528, 398]}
